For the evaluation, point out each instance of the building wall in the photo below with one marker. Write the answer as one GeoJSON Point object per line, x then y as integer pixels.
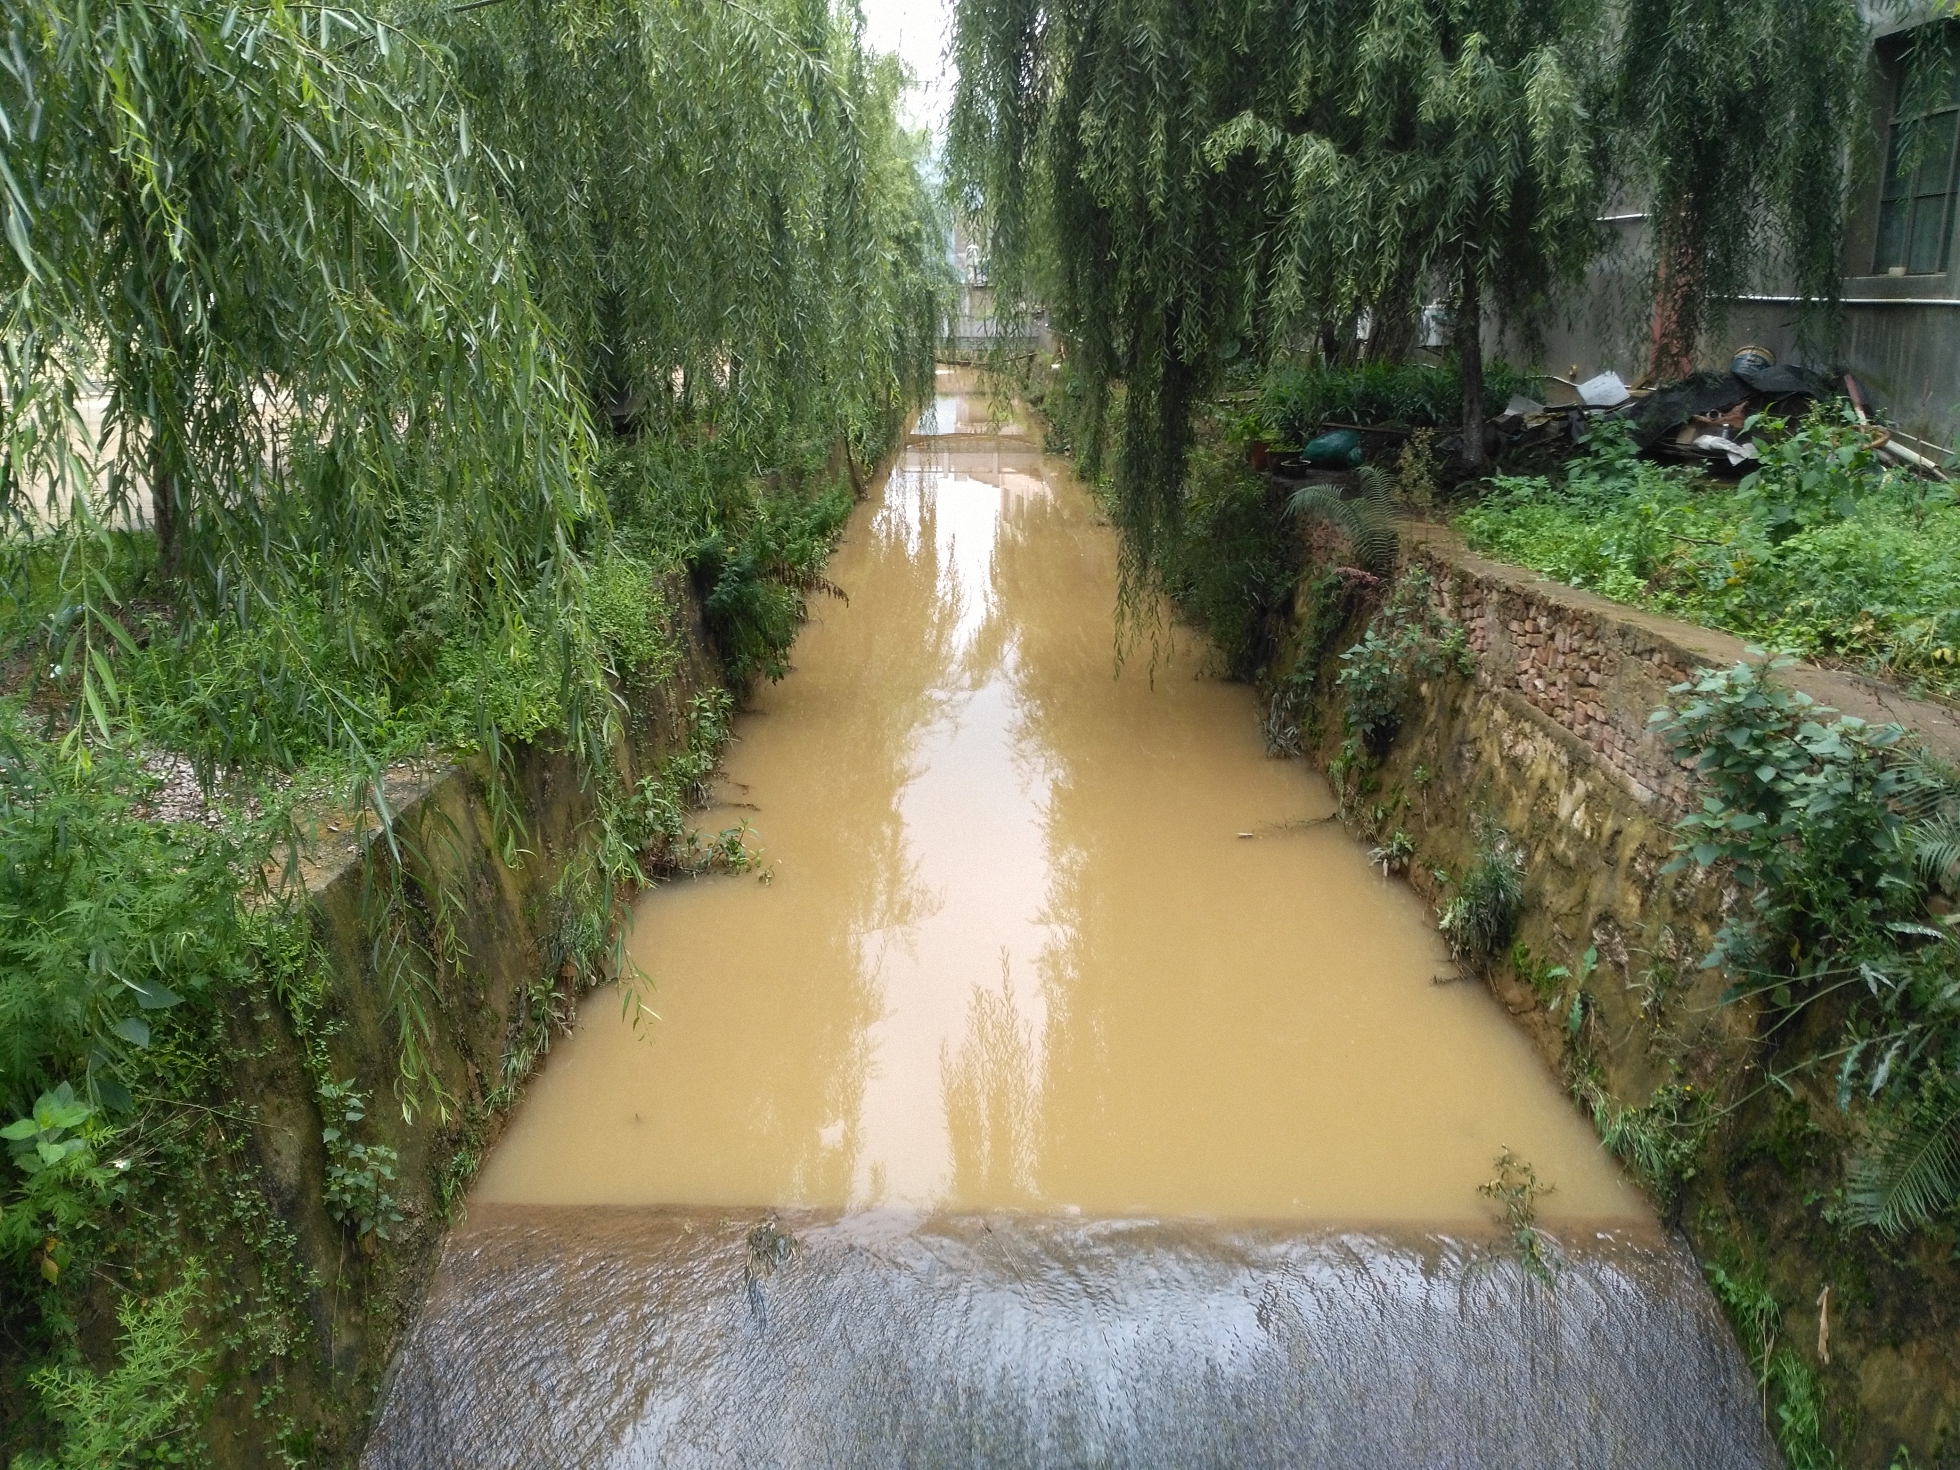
{"type": "Point", "coordinates": [1899, 334]}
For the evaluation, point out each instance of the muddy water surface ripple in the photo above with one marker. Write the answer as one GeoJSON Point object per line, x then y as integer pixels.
{"type": "Point", "coordinates": [1071, 1092]}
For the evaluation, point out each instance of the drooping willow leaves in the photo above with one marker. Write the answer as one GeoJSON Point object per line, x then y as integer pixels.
{"type": "Point", "coordinates": [1735, 122]}
{"type": "Point", "coordinates": [1181, 184]}
{"type": "Point", "coordinates": [725, 216]}
{"type": "Point", "coordinates": [258, 294]}
{"type": "Point", "coordinates": [1424, 147]}
{"type": "Point", "coordinates": [1079, 126]}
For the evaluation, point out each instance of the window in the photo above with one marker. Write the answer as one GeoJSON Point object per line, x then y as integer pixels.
{"type": "Point", "coordinates": [1915, 207]}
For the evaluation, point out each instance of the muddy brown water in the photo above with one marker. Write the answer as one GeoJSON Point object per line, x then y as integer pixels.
{"type": "Point", "coordinates": [1064, 1089]}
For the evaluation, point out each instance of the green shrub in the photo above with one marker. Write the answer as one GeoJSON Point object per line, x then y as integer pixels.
{"type": "Point", "coordinates": [1230, 565]}
{"type": "Point", "coordinates": [1823, 551]}
{"type": "Point", "coordinates": [108, 919]}
{"type": "Point", "coordinates": [358, 1173]}
{"type": "Point", "coordinates": [1784, 1377]}
{"type": "Point", "coordinates": [124, 1416]}
{"type": "Point", "coordinates": [1295, 402]}
{"type": "Point", "coordinates": [1481, 915]}
{"type": "Point", "coordinates": [1843, 838]}
{"type": "Point", "coordinates": [754, 580]}
{"type": "Point", "coordinates": [1406, 642]}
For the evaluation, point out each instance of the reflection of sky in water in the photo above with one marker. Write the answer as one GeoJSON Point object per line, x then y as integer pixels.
{"type": "Point", "coordinates": [955, 1058]}
{"type": "Point", "coordinates": [1011, 949]}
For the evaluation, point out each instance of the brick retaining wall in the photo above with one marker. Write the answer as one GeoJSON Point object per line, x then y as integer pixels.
{"type": "Point", "coordinates": [1598, 669]}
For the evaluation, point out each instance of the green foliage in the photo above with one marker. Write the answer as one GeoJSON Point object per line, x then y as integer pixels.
{"type": "Point", "coordinates": [1185, 188]}
{"type": "Point", "coordinates": [774, 268]}
{"type": "Point", "coordinates": [1481, 915]}
{"type": "Point", "coordinates": [269, 241]}
{"type": "Point", "coordinates": [1908, 1173]}
{"type": "Point", "coordinates": [1661, 1140]}
{"type": "Point", "coordinates": [1406, 642]}
{"type": "Point", "coordinates": [1364, 520]}
{"type": "Point", "coordinates": [358, 1174]}
{"type": "Point", "coordinates": [1229, 567]}
{"type": "Point", "coordinates": [655, 816]}
{"type": "Point", "coordinates": [1547, 982]}
{"type": "Point", "coordinates": [108, 919]}
{"type": "Point", "coordinates": [1394, 855]}
{"type": "Point", "coordinates": [1781, 1373]}
{"type": "Point", "coordinates": [755, 583]}
{"type": "Point", "coordinates": [632, 617]}
{"type": "Point", "coordinates": [1294, 401]}
{"type": "Point", "coordinates": [126, 1415]}
{"type": "Point", "coordinates": [1517, 1190]}
{"type": "Point", "coordinates": [1803, 812]}
{"type": "Point", "coordinates": [1821, 551]}
{"type": "Point", "coordinates": [1836, 830]}
{"type": "Point", "coordinates": [51, 1134]}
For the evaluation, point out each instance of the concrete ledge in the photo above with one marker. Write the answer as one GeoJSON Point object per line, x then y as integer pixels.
{"type": "Point", "coordinates": [1671, 644]}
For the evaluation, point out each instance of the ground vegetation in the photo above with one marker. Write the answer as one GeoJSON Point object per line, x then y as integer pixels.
{"type": "Point", "coordinates": [1822, 550]}
{"type": "Point", "coordinates": [377, 387]}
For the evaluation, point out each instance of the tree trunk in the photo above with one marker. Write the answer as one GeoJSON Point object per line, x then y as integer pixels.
{"type": "Point", "coordinates": [163, 514]}
{"type": "Point", "coordinates": [1470, 361]}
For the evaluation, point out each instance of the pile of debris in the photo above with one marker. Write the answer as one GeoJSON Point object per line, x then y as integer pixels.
{"type": "Point", "coordinates": [1701, 419]}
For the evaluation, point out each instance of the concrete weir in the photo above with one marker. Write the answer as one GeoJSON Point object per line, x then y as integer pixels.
{"type": "Point", "coordinates": [627, 1337]}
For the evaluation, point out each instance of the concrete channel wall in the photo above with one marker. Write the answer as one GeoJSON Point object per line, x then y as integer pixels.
{"type": "Point", "coordinates": [1549, 740]}
{"type": "Point", "coordinates": [349, 1302]}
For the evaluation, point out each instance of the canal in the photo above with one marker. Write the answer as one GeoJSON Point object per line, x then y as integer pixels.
{"type": "Point", "coordinates": [1062, 1087]}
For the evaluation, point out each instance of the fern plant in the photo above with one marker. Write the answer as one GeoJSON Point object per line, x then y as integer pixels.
{"type": "Point", "coordinates": [1908, 1172]}
{"type": "Point", "coordinates": [1366, 520]}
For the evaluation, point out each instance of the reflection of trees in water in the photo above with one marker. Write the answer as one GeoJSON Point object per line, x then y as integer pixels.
{"type": "Point", "coordinates": [1054, 580]}
{"type": "Point", "coordinates": [881, 667]}
{"type": "Point", "coordinates": [878, 672]}
{"type": "Point", "coordinates": [990, 1093]}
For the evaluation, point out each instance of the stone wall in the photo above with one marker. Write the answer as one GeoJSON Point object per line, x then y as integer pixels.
{"type": "Point", "coordinates": [1598, 669]}
{"type": "Point", "coordinates": [1549, 740]}
{"type": "Point", "coordinates": [355, 1300]}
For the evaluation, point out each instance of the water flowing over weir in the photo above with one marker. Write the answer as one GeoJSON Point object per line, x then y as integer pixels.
{"type": "Point", "coordinates": [1072, 1094]}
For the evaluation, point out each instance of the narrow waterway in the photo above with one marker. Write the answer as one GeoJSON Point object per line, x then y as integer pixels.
{"type": "Point", "coordinates": [1063, 1089]}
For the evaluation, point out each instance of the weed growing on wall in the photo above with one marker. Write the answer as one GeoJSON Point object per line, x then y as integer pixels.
{"type": "Point", "coordinates": [359, 1174]}
{"type": "Point", "coordinates": [1480, 916]}
{"type": "Point", "coordinates": [1407, 642]}
{"type": "Point", "coordinates": [1781, 1373]}
{"type": "Point", "coordinates": [1840, 835]}
{"type": "Point", "coordinates": [136, 1411]}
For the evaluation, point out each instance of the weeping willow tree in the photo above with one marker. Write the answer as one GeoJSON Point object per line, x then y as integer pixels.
{"type": "Point", "coordinates": [1736, 124]}
{"type": "Point", "coordinates": [1078, 130]}
{"type": "Point", "coordinates": [1180, 183]}
{"type": "Point", "coordinates": [258, 298]}
{"type": "Point", "coordinates": [727, 219]}
{"type": "Point", "coordinates": [1431, 143]}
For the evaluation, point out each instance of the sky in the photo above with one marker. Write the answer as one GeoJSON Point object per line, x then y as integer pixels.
{"type": "Point", "coordinates": [918, 31]}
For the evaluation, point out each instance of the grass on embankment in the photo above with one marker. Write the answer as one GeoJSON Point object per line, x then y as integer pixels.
{"type": "Point", "coordinates": [1824, 551]}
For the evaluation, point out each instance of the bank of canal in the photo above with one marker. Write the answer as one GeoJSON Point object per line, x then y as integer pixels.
{"type": "Point", "coordinates": [1064, 1086]}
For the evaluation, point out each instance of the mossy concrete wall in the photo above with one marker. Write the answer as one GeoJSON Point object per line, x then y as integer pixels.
{"type": "Point", "coordinates": [356, 1298]}
{"type": "Point", "coordinates": [1549, 739]}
